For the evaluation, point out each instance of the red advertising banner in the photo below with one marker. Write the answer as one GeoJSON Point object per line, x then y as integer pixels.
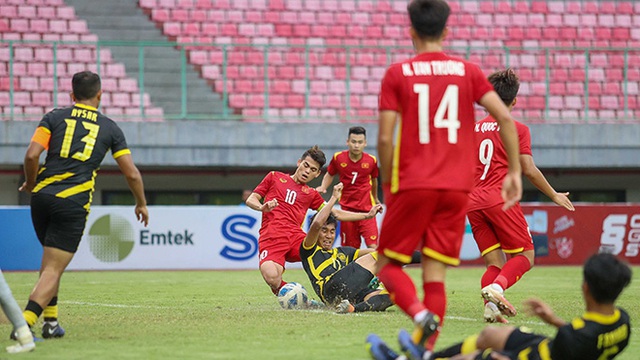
{"type": "Point", "coordinates": [563, 237]}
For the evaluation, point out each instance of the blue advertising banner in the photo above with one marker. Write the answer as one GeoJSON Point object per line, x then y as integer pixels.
{"type": "Point", "coordinates": [19, 246]}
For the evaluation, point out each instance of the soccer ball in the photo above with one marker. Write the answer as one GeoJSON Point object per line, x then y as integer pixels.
{"type": "Point", "coordinates": [293, 296]}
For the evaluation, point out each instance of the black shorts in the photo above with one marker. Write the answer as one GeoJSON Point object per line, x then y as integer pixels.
{"type": "Point", "coordinates": [351, 283]}
{"type": "Point", "coordinates": [523, 339]}
{"type": "Point", "coordinates": [58, 222]}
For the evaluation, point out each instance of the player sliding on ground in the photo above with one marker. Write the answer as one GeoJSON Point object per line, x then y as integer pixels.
{"type": "Point", "coordinates": [341, 276]}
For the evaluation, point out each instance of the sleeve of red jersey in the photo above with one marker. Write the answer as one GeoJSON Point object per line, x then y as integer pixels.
{"type": "Point", "coordinates": [317, 202]}
{"type": "Point", "coordinates": [388, 91]}
{"type": "Point", "coordinates": [264, 185]}
{"type": "Point", "coordinates": [524, 135]}
{"type": "Point", "coordinates": [481, 84]}
{"type": "Point", "coordinates": [332, 169]}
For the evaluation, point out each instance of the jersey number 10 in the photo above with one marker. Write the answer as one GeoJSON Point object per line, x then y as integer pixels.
{"type": "Point", "coordinates": [89, 140]}
{"type": "Point", "coordinates": [448, 105]}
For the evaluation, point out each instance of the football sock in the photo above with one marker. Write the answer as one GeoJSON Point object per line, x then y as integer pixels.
{"type": "Point", "coordinates": [276, 291]}
{"type": "Point", "coordinates": [489, 275]}
{"type": "Point", "coordinates": [32, 312]}
{"type": "Point", "coordinates": [466, 347]}
{"type": "Point", "coordinates": [416, 257]}
{"type": "Point", "coordinates": [435, 299]}
{"type": "Point", "coordinates": [51, 311]}
{"type": "Point", "coordinates": [401, 289]}
{"type": "Point", "coordinates": [375, 303]}
{"type": "Point", "coordinates": [512, 271]}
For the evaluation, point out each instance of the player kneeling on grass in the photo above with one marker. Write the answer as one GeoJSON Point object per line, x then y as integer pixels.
{"type": "Point", "coordinates": [602, 332]}
{"type": "Point", "coordinates": [341, 276]}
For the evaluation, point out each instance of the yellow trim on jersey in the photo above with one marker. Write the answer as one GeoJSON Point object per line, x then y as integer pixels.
{"type": "Point", "coordinates": [514, 251]}
{"type": "Point", "coordinates": [374, 255]}
{"type": "Point", "coordinates": [395, 163]}
{"type": "Point", "coordinates": [86, 186]}
{"type": "Point", "coordinates": [490, 248]}
{"type": "Point", "coordinates": [405, 259]}
{"type": "Point", "coordinates": [50, 180]}
{"type": "Point", "coordinates": [524, 354]}
{"type": "Point", "coordinates": [442, 258]}
{"type": "Point", "coordinates": [602, 319]}
{"type": "Point", "coordinates": [117, 154]}
{"type": "Point", "coordinates": [83, 106]}
{"type": "Point", "coordinates": [577, 323]}
{"type": "Point", "coordinates": [469, 345]}
{"type": "Point", "coordinates": [543, 350]}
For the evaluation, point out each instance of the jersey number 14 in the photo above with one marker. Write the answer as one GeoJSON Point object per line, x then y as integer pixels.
{"type": "Point", "coordinates": [448, 104]}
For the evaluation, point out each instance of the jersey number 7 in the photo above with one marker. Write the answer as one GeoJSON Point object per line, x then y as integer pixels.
{"type": "Point", "coordinates": [448, 105]}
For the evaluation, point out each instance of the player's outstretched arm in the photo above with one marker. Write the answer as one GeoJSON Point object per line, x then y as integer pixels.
{"type": "Point", "coordinates": [322, 216]}
{"type": "Point", "coordinates": [326, 182]}
{"type": "Point", "coordinates": [540, 309]}
{"type": "Point", "coordinates": [531, 171]}
{"type": "Point", "coordinates": [512, 186]}
{"type": "Point", "coordinates": [344, 215]}
{"type": "Point", "coordinates": [134, 180]}
{"type": "Point", "coordinates": [254, 202]}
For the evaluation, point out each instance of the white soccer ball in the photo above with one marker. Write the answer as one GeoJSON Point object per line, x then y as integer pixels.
{"type": "Point", "coordinates": [293, 296]}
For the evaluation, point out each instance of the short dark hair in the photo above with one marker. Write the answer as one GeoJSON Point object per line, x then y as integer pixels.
{"type": "Point", "coordinates": [606, 276]}
{"type": "Point", "coordinates": [506, 84]}
{"type": "Point", "coordinates": [357, 130]}
{"type": "Point", "coordinates": [428, 17]}
{"type": "Point", "coordinates": [85, 85]}
{"type": "Point", "coordinates": [316, 154]}
{"type": "Point", "coordinates": [330, 220]}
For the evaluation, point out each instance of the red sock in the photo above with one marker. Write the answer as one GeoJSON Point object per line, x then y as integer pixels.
{"type": "Point", "coordinates": [489, 275]}
{"type": "Point", "coordinates": [401, 289]}
{"type": "Point", "coordinates": [435, 300]}
{"type": "Point", "coordinates": [512, 271]}
{"type": "Point", "coordinates": [276, 291]}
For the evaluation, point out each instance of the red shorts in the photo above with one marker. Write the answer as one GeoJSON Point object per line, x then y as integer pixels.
{"type": "Point", "coordinates": [280, 249]}
{"type": "Point", "coordinates": [350, 232]}
{"type": "Point", "coordinates": [493, 228]}
{"type": "Point", "coordinates": [432, 220]}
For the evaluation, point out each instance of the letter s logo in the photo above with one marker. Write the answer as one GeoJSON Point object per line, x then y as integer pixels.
{"type": "Point", "coordinates": [232, 231]}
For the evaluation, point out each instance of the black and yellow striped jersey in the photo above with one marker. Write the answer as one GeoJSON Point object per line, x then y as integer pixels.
{"type": "Point", "coordinates": [592, 336]}
{"type": "Point", "coordinates": [77, 139]}
{"type": "Point", "coordinates": [320, 265]}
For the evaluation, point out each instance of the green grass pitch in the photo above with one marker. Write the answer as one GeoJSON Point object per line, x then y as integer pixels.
{"type": "Point", "coordinates": [233, 315]}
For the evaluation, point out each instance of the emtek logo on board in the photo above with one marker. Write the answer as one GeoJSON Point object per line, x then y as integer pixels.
{"type": "Point", "coordinates": [111, 238]}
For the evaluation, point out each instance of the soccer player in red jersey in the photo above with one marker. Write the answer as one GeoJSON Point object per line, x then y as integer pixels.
{"type": "Point", "coordinates": [286, 201]}
{"type": "Point", "coordinates": [358, 171]}
{"type": "Point", "coordinates": [428, 174]}
{"type": "Point", "coordinates": [498, 232]}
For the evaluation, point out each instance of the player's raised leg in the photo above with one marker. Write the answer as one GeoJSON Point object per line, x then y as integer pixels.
{"type": "Point", "coordinates": [272, 275]}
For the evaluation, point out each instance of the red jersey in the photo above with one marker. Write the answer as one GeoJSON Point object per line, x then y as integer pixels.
{"type": "Point", "coordinates": [286, 219]}
{"type": "Point", "coordinates": [434, 94]}
{"type": "Point", "coordinates": [491, 162]}
{"type": "Point", "coordinates": [356, 177]}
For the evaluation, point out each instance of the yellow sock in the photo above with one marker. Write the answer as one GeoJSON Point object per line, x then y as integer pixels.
{"type": "Point", "coordinates": [469, 345]}
{"type": "Point", "coordinates": [30, 317]}
{"type": "Point", "coordinates": [51, 311]}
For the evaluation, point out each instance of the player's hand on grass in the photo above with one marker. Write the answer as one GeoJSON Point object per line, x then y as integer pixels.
{"type": "Point", "coordinates": [269, 205]}
{"type": "Point", "coordinates": [337, 191]}
{"type": "Point", "coordinates": [539, 308]}
{"type": "Point", "coordinates": [562, 199]}
{"type": "Point", "coordinates": [511, 189]}
{"type": "Point", "coordinates": [142, 214]}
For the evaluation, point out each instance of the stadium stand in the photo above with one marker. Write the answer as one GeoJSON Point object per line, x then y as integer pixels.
{"type": "Point", "coordinates": [31, 63]}
{"type": "Point", "coordinates": [312, 58]}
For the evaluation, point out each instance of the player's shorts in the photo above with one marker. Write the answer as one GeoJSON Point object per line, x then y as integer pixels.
{"type": "Point", "coordinates": [494, 228]}
{"type": "Point", "coordinates": [280, 249]}
{"type": "Point", "coordinates": [350, 282]}
{"type": "Point", "coordinates": [430, 220]}
{"type": "Point", "coordinates": [58, 222]}
{"type": "Point", "coordinates": [351, 231]}
{"type": "Point", "coordinates": [523, 341]}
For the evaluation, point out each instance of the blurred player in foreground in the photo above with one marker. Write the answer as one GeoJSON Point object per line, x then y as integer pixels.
{"type": "Point", "coordinates": [20, 328]}
{"type": "Point", "coordinates": [358, 171]}
{"type": "Point", "coordinates": [601, 333]}
{"type": "Point", "coordinates": [428, 174]}
{"type": "Point", "coordinates": [76, 138]}
{"type": "Point", "coordinates": [497, 231]}
{"type": "Point", "coordinates": [341, 276]}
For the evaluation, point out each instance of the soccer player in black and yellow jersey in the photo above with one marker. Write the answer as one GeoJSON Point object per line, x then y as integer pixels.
{"type": "Point", "coordinates": [601, 333]}
{"type": "Point", "coordinates": [76, 138]}
{"type": "Point", "coordinates": [341, 276]}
